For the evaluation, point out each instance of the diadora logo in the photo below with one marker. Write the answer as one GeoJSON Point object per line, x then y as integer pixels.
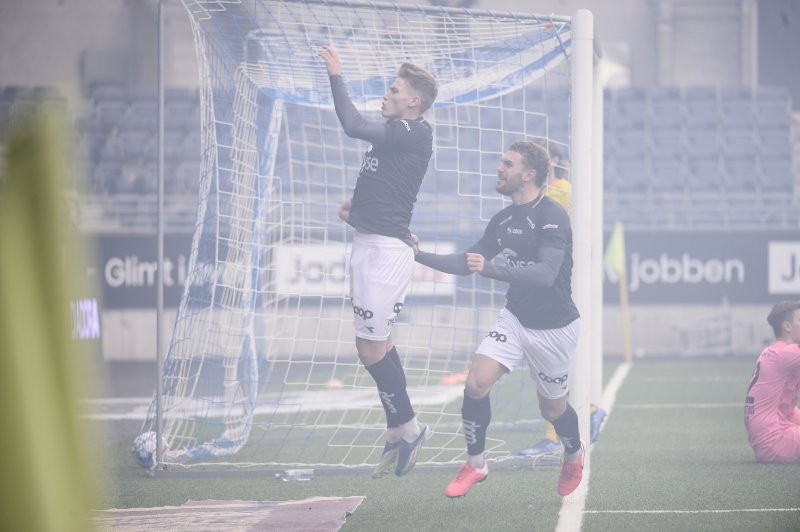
{"type": "Point", "coordinates": [498, 337]}
{"type": "Point", "coordinates": [387, 400]}
{"type": "Point", "coordinates": [514, 231]}
{"type": "Point", "coordinates": [470, 430]}
{"type": "Point", "coordinates": [553, 380]}
{"type": "Point", "coordinates": [550, 226]}
{"type": "Point", "coordinates": [362, 313]}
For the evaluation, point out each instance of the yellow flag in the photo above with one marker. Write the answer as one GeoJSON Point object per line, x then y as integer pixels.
{"type": "Point", "coordinates": [615, 251]}
{"type": "Point", "coordinates": [46, 481]}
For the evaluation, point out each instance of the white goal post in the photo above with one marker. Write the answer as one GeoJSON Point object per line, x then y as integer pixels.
{"type": "Point", "coordinates": [261, 369]}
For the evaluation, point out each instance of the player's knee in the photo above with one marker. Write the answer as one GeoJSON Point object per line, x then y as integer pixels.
{"type": "Point", "coordinates": [477, 388]}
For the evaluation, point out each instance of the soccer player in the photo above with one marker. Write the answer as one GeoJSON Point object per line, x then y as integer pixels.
{"type": "Point", "coordinates": [381, 259]}
{"type": "Point", "coordinates": [771, 415]}
{"type": "Point", "coordinates": [559, 189]}
{"type": "Point", "coordinates": [539, 324]}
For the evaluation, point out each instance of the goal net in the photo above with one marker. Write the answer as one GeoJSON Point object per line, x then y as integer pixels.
{"type": "Point", "coordinates": [262, 367]}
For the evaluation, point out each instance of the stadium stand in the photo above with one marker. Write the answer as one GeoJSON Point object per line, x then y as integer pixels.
{"type": "Point", "coordinates": [693, 158]}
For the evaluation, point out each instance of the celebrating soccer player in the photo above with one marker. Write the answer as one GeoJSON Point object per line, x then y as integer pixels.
{"type": "Point", "coordinates": [770, 410]}
{"type": "Point", "coordinates": [539, 324]}
{"type": "Point", "coordinates": [381, 260]}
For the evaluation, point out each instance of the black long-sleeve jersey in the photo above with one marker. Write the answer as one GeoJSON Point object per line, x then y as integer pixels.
{"type": "Point", "coordinates": [391, 171]}
{"type": "Point", "coordinates": [536, 240]}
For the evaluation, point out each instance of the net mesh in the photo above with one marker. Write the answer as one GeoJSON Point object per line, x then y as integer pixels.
{"type": "Point", "coordinates": [262, 367]}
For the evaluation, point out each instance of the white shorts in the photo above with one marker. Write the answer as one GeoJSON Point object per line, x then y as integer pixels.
{"type": "Point", "coordinates": [547, 351]}
{"type": "Point", "coordinates": [380, 276]}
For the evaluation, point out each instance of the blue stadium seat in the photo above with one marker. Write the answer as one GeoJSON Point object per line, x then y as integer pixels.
{"type": "Point", "coordinates": [705, 173]}
{"type": "Point", "coordinates": [666, 107]}
{"type": "Point", "coordinates": [631, 173]}
{"type": "Point", "coordinates": [774, 140]}
{"type": "Point", "coordinates": [777, 176]}
{"type": "Point", "coordinates": [741, 173]}
{"type": "Point", "coordinates": [700, 107]}
{"type": "Point", "coordinates": [666, 175]}
{"type": "Point", "coordinates": [738, 142]}
{"type": "Point", "coordinates": [667, 138]}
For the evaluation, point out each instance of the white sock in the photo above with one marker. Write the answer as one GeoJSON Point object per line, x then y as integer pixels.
{"type": "Point", "coordinates": [572, 457]}
{"type": "Point", "coordinates": [393, 434]}
{"type": "Point", "coordinates": [410, 430]}
{"type": "Point", "coordinates": [476, 461]}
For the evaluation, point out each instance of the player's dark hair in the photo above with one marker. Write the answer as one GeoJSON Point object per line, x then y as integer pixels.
{"type": "Point", "coordinates": [533, 156]}
{"type": "Point", "coordinates": [422, 82]}
{"type": "Point", "coordinates": [780, 313]}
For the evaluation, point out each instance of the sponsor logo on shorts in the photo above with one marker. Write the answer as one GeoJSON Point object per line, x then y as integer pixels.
{"type": "Point", "coordinates": [554, 380]}
{"type": "Point", "coordinates": [398, 307]}
{"type": "Point", "coordinates": [363, 313]}
{"type": "Point", "coordinates": [550, 226]}
{"type": "Point", "coordinates": [498, 337]}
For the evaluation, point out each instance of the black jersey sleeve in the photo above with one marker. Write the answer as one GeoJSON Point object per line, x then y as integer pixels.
{"type": "Point", "coordinates": [455, 263]}
{"type": "Point", "coordinates": [542, 273]}
{"type": "Point", "coordinates": [354, 125]}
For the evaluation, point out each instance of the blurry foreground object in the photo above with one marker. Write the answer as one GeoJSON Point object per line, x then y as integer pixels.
{"type": "Point", "coordinates": [47, 479]}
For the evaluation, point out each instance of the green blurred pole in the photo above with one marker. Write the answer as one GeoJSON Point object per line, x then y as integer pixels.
{"type": "Point", "coordinates": [47, 479]}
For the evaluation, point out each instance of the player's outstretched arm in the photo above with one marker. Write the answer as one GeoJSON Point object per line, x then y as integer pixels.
{"type": "Point", "coordinates": [354, 125]}
{"type": "Point", "coordinates": [454, 263]}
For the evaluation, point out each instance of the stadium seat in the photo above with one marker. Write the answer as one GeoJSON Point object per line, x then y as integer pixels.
{"type": "Point", "coordinates": [700, 108]}
{"type": "Point", "coordinates": [667, 139]}
{"type": "Point", "coordinates": [631, 174]}
{"type": "Point", "coordinates": [705, 173]}
{"type": "Point", "coordinates": [666, 107]}
{"type": "Point", "coordinates": [774, 140]}
{"type": "Point", "coordinates": [738, 141]}
{"type": "Point", "coordinates": [777, 176]}
{"type": "Point", "coordinates": [741, 173]}
{"type": "Point", "coordinates": [666, 175]}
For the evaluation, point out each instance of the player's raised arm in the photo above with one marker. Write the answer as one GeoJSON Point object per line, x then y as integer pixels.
{"type": "Point", "coordinates": [354, 125]}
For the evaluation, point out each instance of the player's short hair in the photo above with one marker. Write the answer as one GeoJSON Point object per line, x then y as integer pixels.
{"type": "Point", "coordinates": [422, 82]}
{"type": "Point", "coordinates": [533, 156]}
{"type": "Point", "coordinates": [780, 313]}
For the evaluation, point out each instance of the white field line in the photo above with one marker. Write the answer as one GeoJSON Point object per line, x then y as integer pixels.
{"type": "Point", "coordinates": [657, 406]}
{"type": "Point", "coordinates": [731, 511]}
{"type": "Point", "coordinates": [570, 517]}
{"type": "Point", "coordinates": [692, 379]}
{"type": "Point", "coordinates": [137, 408]}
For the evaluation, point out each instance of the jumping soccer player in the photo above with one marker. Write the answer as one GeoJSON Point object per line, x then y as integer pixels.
{"type": "Point", "coordinates": [771, 415]}
{"type": "Point", "coordinates": [539, 324]}
{"type": "Point", "coordinates": [382, 260]}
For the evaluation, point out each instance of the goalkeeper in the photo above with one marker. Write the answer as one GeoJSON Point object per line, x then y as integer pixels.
{"type": "Point", "coordinates": [771, 415]}
{"type": "Point", "coordinates": [381, 259]}
{"type": "Point", "coordinates": [539, 324]}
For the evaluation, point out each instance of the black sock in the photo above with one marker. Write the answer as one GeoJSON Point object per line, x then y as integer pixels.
{"type": "Point", "coordinates": [392, 391]}
{"type": "Point", "coordinates": [475, 417]}
{"type": "Point", "coordinates": [395, 358]}
{"type": "Point", "coordinates": [567, 429]}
